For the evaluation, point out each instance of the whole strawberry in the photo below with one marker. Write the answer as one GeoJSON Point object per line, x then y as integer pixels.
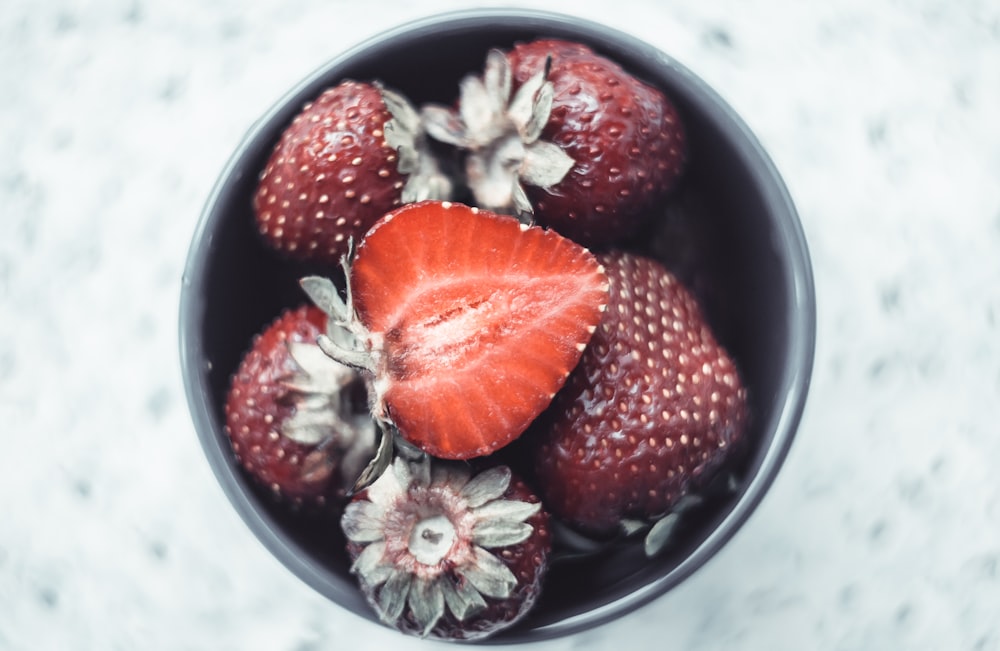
{"type": "Point", "coordinates": [298, 420]}
{"type": "Point", "coordinates": [654, 409]}
{"type": "Point", "coordinates": [555, 130]}
{"type": "Point", "coordinates": [347, 158]}
{"type": "Point", "coordinates": [442, 553]}
{"type": "Point", "coordinates": [465, 321]}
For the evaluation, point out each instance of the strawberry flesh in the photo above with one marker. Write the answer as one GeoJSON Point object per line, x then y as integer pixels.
{"type": "Point", "coordinates": [476, 320]}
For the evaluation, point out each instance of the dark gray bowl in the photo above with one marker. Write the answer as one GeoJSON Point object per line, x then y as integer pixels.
{"type": "Point", "coordinates": [731, 232]}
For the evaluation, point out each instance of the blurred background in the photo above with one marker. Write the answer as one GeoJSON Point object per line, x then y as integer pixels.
{"type": "Point", "coordinates": [881, 532]}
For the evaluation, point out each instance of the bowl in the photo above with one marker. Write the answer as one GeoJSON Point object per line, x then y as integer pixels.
{"type": "Point", "coordinates": [730, 231]}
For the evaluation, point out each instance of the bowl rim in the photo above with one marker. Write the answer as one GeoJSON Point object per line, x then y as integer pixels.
{"type": "Point", "coordinates": [789, 239]}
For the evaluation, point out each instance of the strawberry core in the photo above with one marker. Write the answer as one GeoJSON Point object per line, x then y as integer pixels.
{"type": "Point", "coordinates": [431, 539]}
{"type": "Point", "coordinates": [445, 339]}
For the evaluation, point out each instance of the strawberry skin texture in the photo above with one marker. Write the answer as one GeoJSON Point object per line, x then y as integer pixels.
{"type": "Point", "coordinates": [476, 319]}
{"type": "Point", "coordinates": [258, 404]}
{"type": "Point", "coordinates": [654, 408]}
{"type": "Point", "coordinates": [625, 137]}
{"type": "Point", "coordinates": [330, 177]}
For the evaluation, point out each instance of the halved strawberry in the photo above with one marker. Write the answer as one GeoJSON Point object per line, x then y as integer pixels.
{"type": "Point", "coordinates": [468, 320]}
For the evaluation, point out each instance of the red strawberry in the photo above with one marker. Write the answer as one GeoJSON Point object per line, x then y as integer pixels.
{"type": "Point", "coordinates": [349, 157]}
{"type": "Point", "coordinates": [556, 130]}
{"type": "Point", "coordinates": [654, 409]}
{"type": "Point", "coordinates": [468, 321]}
{"type": "Point", "coordinates": [297, 419]}
{"type": "Point", "coordinates": [444, 554]}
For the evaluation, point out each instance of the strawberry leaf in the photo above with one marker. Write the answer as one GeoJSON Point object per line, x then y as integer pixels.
{"type": "Point", "coordinates": [378, 465]}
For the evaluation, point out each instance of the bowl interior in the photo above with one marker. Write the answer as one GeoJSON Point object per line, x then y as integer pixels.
{"type": "Point", "coordinates": [730, 232]}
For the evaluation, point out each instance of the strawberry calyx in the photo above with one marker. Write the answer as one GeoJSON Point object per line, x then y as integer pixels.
{"type": "Point", "coordinates": [346, 339]}
{"type": "Point", "coordinates": [428, 537]}
{"type": "Point", "coordinates": [404, 132]}
{"type": "Point", "coordinates": [346, 344]}
{"type": "Point", "coordinates": [657, 533]}
{"type": "Point", "coordinates": [324, 416]}
{"type": "Point", "coordinates": [501, 131]}
{"type": "Point", "coordinates": [661, 531]}
{"type": "Point", "coordinates": [318, 385]}
{"type": "Point", "coordinates": [296, 419]}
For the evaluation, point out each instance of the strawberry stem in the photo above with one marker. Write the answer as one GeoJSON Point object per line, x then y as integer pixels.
{"type": "Point", "coordinates": [359, 359]}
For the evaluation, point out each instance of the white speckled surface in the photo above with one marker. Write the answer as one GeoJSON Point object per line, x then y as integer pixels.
{"type": "Point", "coordinates": [883, 530]}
